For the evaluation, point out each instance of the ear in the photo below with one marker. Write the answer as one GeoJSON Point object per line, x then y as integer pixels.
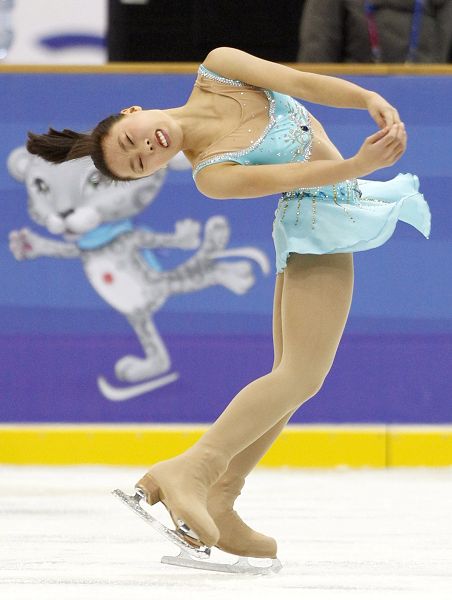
{"type": "Point", "coordinates": [18, 162]}
{"type": "Point", "coordinates": [130, 110]}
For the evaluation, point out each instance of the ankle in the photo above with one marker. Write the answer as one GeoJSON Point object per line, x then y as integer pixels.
{"type": "Point", "coordinates": [230, 482]}
{"type": "Point", "coordinates": [209, 459]}
{"type": "Point", "coordinates": [213, 452]}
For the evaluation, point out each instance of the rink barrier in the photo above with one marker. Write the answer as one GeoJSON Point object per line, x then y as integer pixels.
{"type": "Point", "coordinates": [176, 68]}
{"type": "Point", "coordinates": [317, 446]}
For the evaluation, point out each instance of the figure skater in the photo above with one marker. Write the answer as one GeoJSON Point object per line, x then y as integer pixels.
{"type": "Point", "coordinates": [246, 137]}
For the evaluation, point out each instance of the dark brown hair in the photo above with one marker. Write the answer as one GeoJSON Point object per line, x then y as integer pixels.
{"type": "Point", "coordinates": [61, 146]}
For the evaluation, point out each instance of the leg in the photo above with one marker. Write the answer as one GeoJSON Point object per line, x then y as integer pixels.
{"type": "Point", "coordinates": [316, 299]}
{"type": "Point", "coordinates": [235, 536]}
{"type": "Point", "coordinates": [245, 461]}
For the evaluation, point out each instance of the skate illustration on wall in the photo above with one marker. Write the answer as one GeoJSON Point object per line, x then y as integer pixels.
{"type": "Point", "coordinates": [94, 219]}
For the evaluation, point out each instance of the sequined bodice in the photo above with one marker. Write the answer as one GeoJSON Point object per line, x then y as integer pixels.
{"type": "Point", "coordinates": [273, 128]}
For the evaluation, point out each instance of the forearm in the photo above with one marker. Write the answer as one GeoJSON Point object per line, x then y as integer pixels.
{"type": "Point", "coordinates": [303, 175]}
{"type": "Point", "coordinates": [332, 91]}
{"type": "Point", "coordinates": [324, 172]}
{"type": "Point", "coordinates": [264, 180]}
{"type": "Point", "coordinates": [321, 89]}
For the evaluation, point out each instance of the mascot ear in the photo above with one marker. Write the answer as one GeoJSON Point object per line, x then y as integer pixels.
{"type": "Point", "coordinates": [179, 162]}
{"type": "Point", "coordinates": [18, 162]}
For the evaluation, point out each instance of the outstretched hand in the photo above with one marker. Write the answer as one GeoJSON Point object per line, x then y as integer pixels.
{"type": "Point", "coordinates": [383, 113]}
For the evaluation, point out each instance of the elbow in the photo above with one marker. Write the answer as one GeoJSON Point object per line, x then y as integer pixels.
{"type": "Point", "coordinates": [219, 51]}
{"type": "Point", "coordinates": [218, 56]}
{"type": "Point", "coordinates": [216, 196]}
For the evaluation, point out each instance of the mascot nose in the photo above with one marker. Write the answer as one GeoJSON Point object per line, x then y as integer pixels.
{"type": "Point", "coordinates": [149, 145]}
{"type": "Point", "coordinates": [66, 213]}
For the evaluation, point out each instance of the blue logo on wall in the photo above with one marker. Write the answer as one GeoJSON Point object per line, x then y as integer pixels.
{"type": "Point", "coordinates": [72, 40]}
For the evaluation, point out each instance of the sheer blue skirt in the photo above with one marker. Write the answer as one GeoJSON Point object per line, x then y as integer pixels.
{"type": "Point", "coordinates": [349, 216]}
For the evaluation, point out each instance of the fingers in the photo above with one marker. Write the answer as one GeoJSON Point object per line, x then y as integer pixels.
{"type": "Point", "coordinates": [396, 146]}
{"type": "Point", "coordinates": [378, 135]}
{"type": "Point", "coordinates": [391, 117]}
{"type": "Point", "coordinates": [399, 154]}
{"type": "Point", "coordinates": [387, 135]}
{"type": "Point", "coordinates": [388, 118]}
{"type": "Point", "coordinates": [392, 145]}
{"type": "Point", "coordinates": [395, 136]}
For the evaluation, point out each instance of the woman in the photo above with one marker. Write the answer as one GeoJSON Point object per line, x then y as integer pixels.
{"type": "Point", "coordinates": [250, 140]}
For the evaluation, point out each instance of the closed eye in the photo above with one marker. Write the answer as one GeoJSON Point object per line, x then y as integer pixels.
{"type": "Point", "coordinates": [141, 164]}
{"type": "Point", "coordinates": [129, 139]}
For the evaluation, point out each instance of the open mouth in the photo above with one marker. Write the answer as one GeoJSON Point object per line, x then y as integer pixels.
{"type": "Point", "coordinates": [162, 138]}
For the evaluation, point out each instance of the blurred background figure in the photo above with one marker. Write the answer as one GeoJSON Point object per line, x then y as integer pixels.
{"type": "Point", "coordinates": [150, 30]}
{"type": "Point", "coordinates": [391, 31]}
{"type": "Point", "coordinates": [52, 31]}
{"type": "Point", "coordinates": [6, 27]}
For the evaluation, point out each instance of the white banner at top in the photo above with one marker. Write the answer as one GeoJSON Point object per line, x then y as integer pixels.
{"type": "Point", "coordinates": [57, 32]}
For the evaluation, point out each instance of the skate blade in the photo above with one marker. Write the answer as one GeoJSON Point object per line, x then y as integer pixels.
{"type": "Point", "coordinates": [242, 565]}
{"type": "Point", "coordinates": [133, 502]}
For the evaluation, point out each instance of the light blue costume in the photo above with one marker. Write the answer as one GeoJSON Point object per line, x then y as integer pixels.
{"type": "Point", "coordinates": [349, 216]}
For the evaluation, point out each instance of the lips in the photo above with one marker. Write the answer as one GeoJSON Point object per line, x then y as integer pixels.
{"type": "Point", "coordinates": [162, 138]}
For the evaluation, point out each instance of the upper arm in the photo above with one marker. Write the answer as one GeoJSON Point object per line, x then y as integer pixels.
{"type": "Point", "coordinates": [236, 64]}
{"type": "Point", "coordinates": [232, 180]}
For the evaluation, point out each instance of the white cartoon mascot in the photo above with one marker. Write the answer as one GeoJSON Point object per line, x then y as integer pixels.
{"type": "Point", "coordinates": [93, 217]}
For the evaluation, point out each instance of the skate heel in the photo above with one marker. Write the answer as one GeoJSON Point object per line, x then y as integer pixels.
{"type": "Point", "coordinates": [150, 488]}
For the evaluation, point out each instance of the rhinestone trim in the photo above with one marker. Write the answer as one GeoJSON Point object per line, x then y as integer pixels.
{"type": "Point", "coordinates": [314, 210]}
{"type": "Point", "coordinates": [303, 139]}
{"type": "Point", "coordinates": [352, 183]}
{"type": "Point", "coordinates": [348, 189]}
{"type": "Point", "coordinates": [296, 114]}
{"type": "Point", "coordinates": [205, 72]}
{"type": "Point", "coordinates": [232, 155]}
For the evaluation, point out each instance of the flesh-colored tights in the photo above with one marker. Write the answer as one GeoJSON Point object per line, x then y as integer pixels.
{"type": "Point", "coordinates": [313, 300]}
{"type": "Point", "coordinates": [311, 306]}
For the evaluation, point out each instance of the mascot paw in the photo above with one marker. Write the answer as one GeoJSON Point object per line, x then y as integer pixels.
{"type": "Point", "coordinates": [133, 368]}
{"type": "Point", "coordinates": [216, 233]}
{"type": "Point", "coordinates": [188, 234]}
{"type": "Point", "coordinates": [23, 244]}
{"type": "Point", "coordinates": [237, 277]}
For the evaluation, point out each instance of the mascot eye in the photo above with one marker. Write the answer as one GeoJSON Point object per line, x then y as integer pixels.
{"type": "Point", "coordinates": [94, 180]}
{"type": "Point", "coordinates": [41, 185]}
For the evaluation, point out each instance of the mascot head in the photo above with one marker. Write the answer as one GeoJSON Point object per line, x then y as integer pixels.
{"type": "Point", "coordinates": [73, 198]}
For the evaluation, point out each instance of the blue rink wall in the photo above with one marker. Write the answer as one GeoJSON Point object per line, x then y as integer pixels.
{"type": "Point", "coordinates": [57, 336]}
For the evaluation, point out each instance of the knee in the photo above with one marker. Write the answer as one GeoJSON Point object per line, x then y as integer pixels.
{"type": "Point", "coordinates": [300, 384]}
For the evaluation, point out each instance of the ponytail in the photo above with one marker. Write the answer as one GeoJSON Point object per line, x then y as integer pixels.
{"type": "Point", "coordinates": [60, 146]}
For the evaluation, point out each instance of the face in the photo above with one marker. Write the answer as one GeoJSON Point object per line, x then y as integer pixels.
{"type": "Point", "coordinates": [142, 142]}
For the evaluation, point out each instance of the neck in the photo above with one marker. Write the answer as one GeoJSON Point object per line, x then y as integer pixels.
{"type": "Point", "coordinates": [196, 125]}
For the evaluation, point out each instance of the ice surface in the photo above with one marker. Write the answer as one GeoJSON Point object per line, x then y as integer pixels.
{"type": "Point", "coordinates": [342, 534]}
